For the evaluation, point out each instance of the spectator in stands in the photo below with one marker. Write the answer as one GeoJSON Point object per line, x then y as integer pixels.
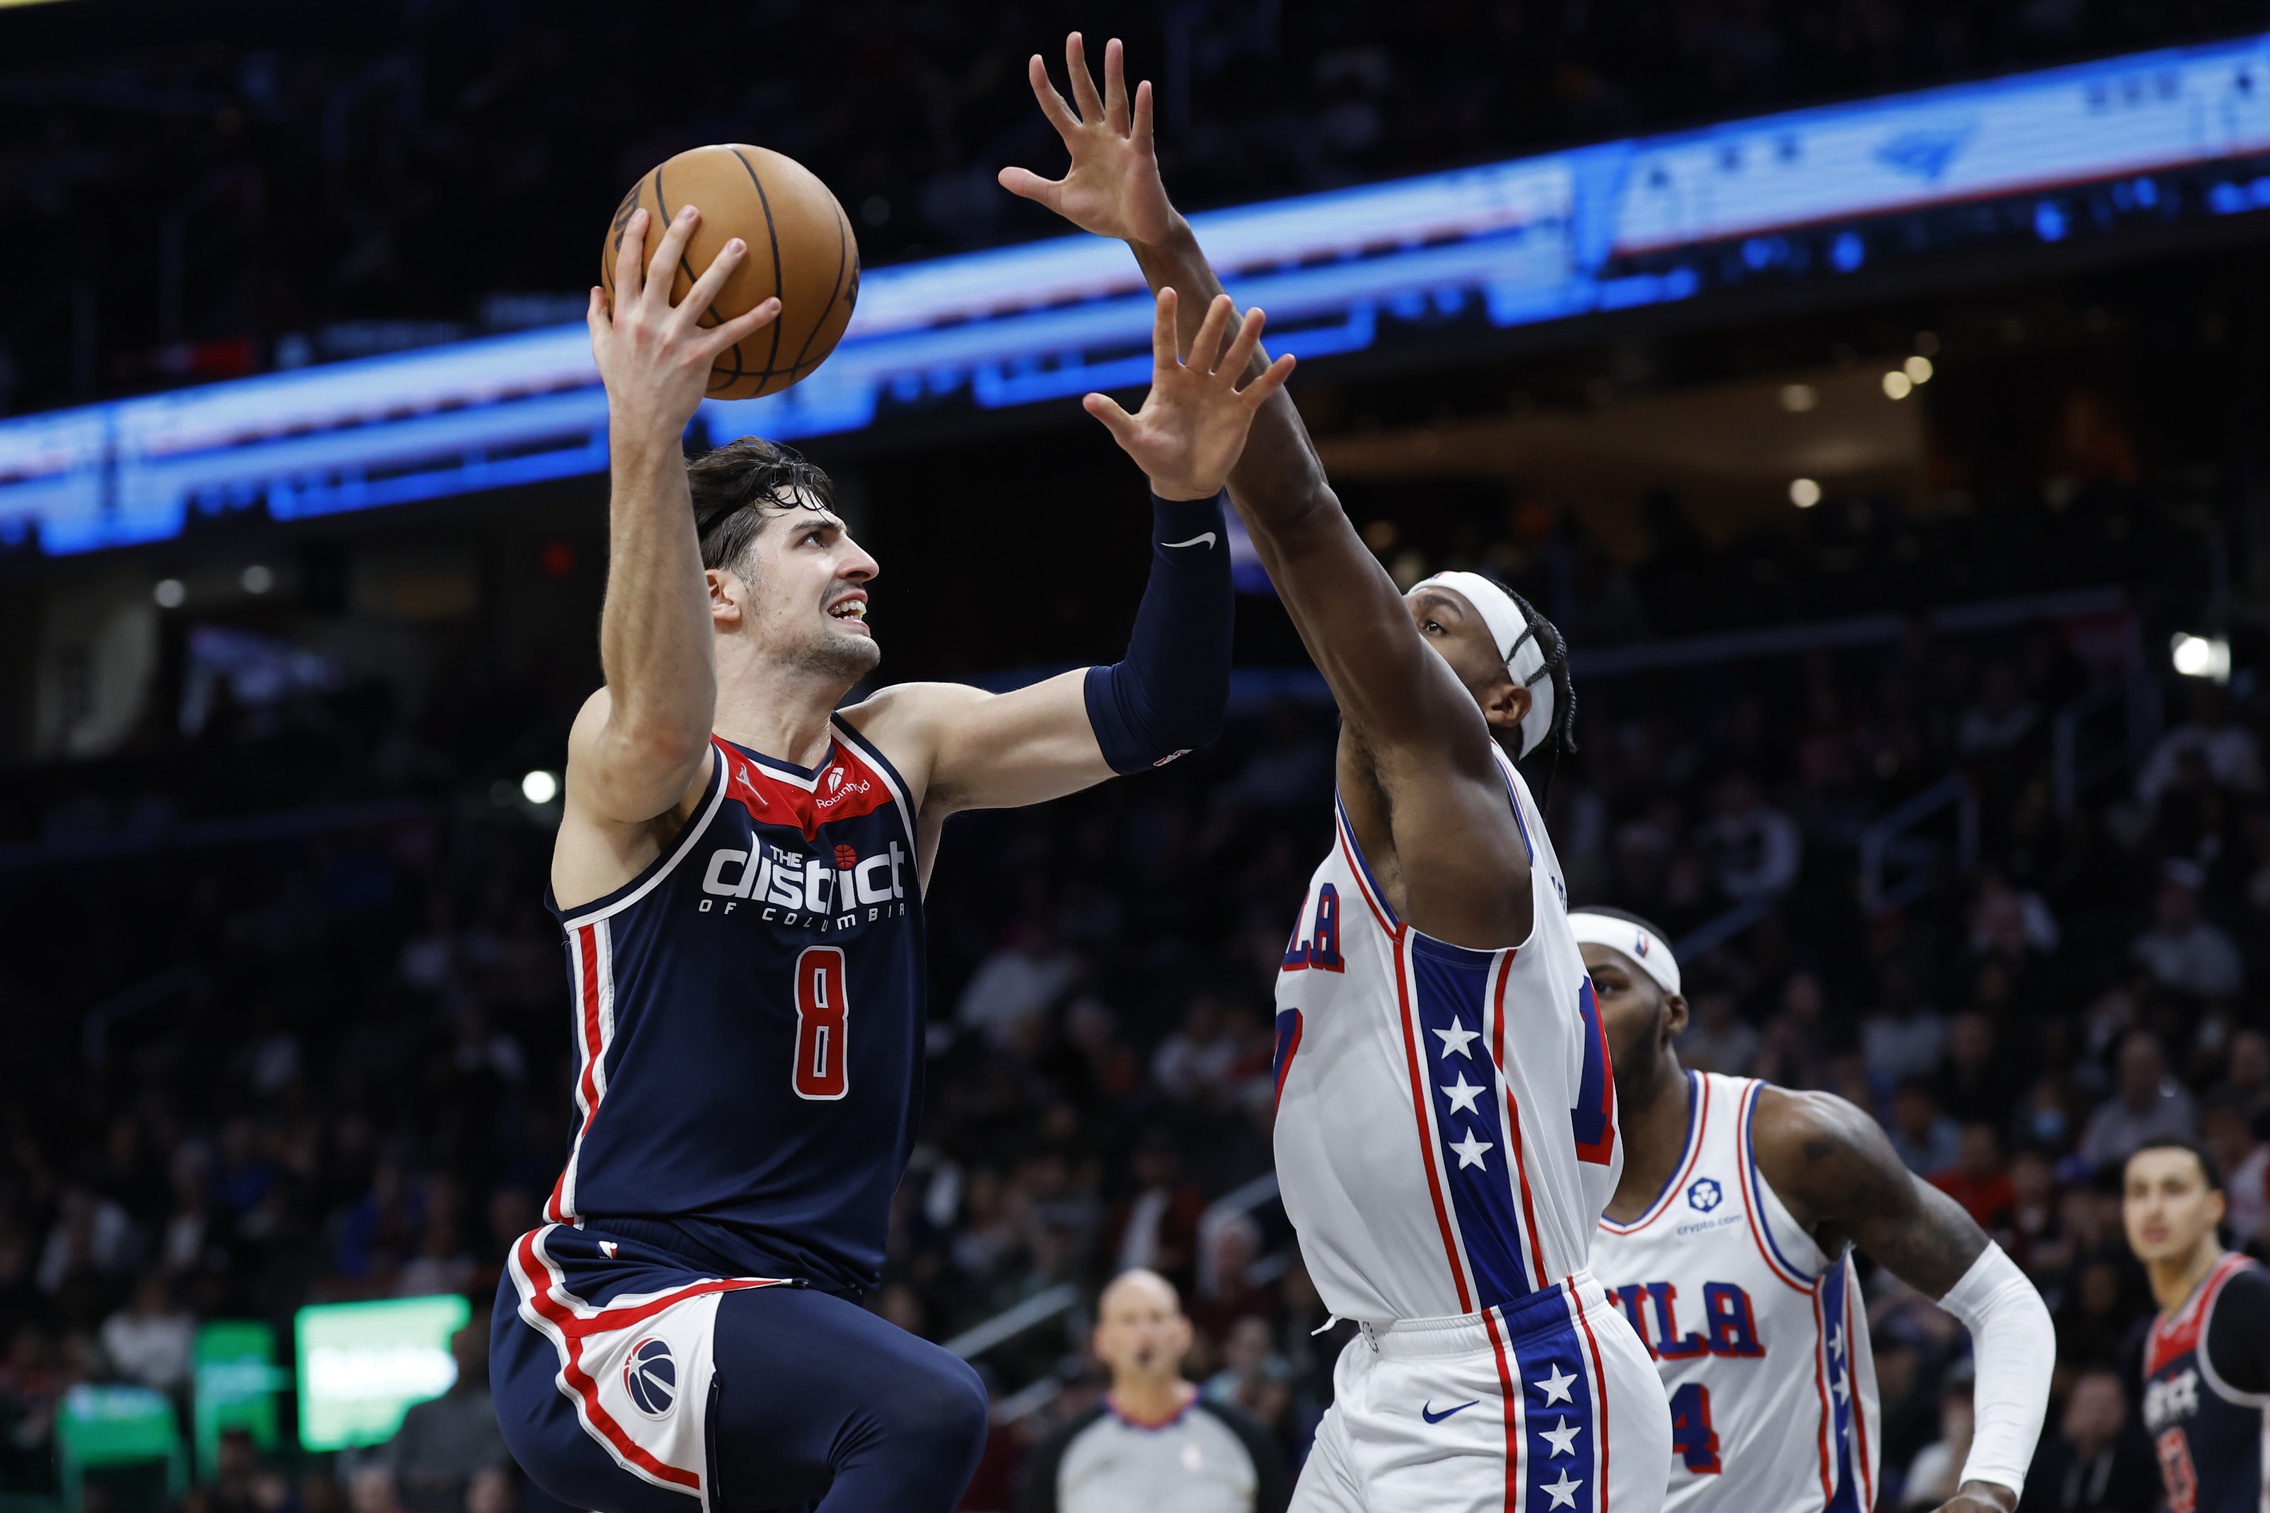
{"type": "Point", "coordinates": [2183, 949]}
{"type": "Point", "coordinates": [1974, 1086]}
{"type": "Point", "coordinates": [2001, 718]}
{"type": "Point", "coordinates": [1199, 1061]}
{"type": "Point", "coordinates": [1015, 985]}
{"type": "Point", "coordinates": [2230, 1134]}
{"type": "Point", "coordinates": [1925, 1138]}
{"type": "Point", "coordinates": [1755, 847]}
{"type": "Point", "coordinates": [1158, 1228]}
{"type": "Point", "coordinates": [150, 1341]}
{"type": "Point", "coordinates": [1905, 1037]}
{"type": "Point", "coordinates": [1978, 1180]}
{"type": "Point", "coordinates": [445, 1442]}
{"type": "Point", "coordinates": [2246, 1075]}
{"type": "Point", "coordinates": [1931, 1476]}
{"type": "Point", "coordinates": [1154, 1441]}
{"type": "Point", "coordinates": [2150, 1104]}
{"type": "Point", "coordinates": [1254, 1378]}
{"type": "Point", "coordinates": [2229, 752]}
{"type": "Point", "coordinates": [1719, 1039]}
{"type": "Point", "coordinates": [2093, 1462]}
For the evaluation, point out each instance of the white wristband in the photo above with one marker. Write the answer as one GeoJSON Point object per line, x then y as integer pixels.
{"type": "Point", "coordinates": [2013, 1351]}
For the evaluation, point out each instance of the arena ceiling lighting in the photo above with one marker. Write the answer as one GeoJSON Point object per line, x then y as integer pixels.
{"type": "Point", "coordinates": [2201, 657]}
{"type": "Point", "coordinates": [2040, 158]}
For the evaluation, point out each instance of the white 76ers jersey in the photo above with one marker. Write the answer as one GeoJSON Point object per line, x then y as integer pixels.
{"type": "Point", "coordinates": [1762, 1341]}
{"type": "Point", "coordinates": [1446, 1122]}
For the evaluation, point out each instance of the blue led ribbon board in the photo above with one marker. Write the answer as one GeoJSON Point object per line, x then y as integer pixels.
{"type": "Point", "coordinates": [1811, 194]}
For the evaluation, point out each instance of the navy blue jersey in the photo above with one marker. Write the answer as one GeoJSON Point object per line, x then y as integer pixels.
{"type": "Point", "coordinates": [749, 1015]}
{"type": "Point", "coordinates": [2211, 1437]}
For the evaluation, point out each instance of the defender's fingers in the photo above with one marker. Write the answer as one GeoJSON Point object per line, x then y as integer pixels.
{"type": "Point", "coordinates": [628, 278]}
{"type": "Point", "coordinates": [1051, 103]}
{"type": "Point", "coordinates": [1140, 133]}
{"type": "Point", "coordinates": [1115, 420]}
{"type": "Point", "coordinates": [1115, 86]}
{"type": "Point", "coordinates": [1256, 394]}
{"type": "Point", "coordinates": [1242, 346]}
{"type": "Point", "coordinates": [1028, 185]}
{"type": "Point", "coordinates": [1083, 83]}
{"type": "Point", "coordinates": [661, 272]}
{"type": "Point", "coordinates": [1164, 355]}
{"type": "Point", "coordinates": [1206, 348]}
{"type": "Point", "coordinates": [737, 330]}
{"type": "Point", "coordinates": [704, 292]}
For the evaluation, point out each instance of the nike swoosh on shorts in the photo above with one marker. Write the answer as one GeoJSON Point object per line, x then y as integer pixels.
{"type": "Point", "coordinates": [1433, 1417]}
{"type": "Point", "coordinates": [1203, 538]}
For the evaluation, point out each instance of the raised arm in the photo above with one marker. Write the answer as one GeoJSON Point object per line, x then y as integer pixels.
{"type": "Point", "coordinates": [979, 750]}
{"type": "Point", "coordinates": [1416, 767]}
{"type": "Point", "coordinates": [641, 743]}
{"type": "Point", "coordinates": [1836, 1172]}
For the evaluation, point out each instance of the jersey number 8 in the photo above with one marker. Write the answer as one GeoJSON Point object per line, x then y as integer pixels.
{"type": "Point", "coordinates": [821, 1008]}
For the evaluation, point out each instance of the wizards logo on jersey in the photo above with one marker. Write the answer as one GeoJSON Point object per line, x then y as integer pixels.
{"type": "Point", "coordinates": [650, 1376]}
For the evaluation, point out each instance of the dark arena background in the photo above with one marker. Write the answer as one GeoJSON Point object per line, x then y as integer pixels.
{"type": "Point", "coordinates": [1876, 392]}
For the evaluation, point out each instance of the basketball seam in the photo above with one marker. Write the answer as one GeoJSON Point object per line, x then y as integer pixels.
{"type": "Point", "coordinates": [835, 293]}
{"type": "Point", "coordinates": [772, 233]}
{"type": "Point", "coordinates": [662, 205]}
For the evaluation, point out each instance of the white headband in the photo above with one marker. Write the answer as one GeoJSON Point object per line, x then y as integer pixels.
{"type": "Point", "coordinates": [1648, 951]}
{"type": "Point", "coordinates": [1517, 645]}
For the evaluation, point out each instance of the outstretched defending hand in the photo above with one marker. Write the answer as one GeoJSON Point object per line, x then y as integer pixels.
{"type": "Point", "coordinates": [655, 357]}
{"type": "Point", "coordinates": [1192, 427]}
{"type": "Point", "coordinates": [1113, 186]}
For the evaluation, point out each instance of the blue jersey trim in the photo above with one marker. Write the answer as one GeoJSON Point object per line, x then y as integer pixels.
{"type": "Point", "coordinates": [1757, 1195]}
{"type": "Point", "coordinates": [1654, 1208]}
{"type": "Point", "coordinates": [1371, 884]}
{"type": "Point", "coordinates": [713, 795]}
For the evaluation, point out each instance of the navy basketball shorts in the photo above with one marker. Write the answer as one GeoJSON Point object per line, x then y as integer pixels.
{"type": "Point", "coordinates": [626, 1382]}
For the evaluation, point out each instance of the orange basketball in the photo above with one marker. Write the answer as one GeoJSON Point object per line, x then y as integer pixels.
{"type": "Point", "coordinates": [800, 248]}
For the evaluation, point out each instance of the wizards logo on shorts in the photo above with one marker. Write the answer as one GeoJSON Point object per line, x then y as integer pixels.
{"type": "Point", "coordinates": [650, 1376]}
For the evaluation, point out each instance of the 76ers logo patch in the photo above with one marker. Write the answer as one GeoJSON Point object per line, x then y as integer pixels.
{"type": "Point", "coordinates": [650, 1376]}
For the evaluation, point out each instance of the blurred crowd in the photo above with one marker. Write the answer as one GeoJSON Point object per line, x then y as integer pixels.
{"type": "Point", "coordinates": [331, 1065]}
{"type": "Point", "coordinates": [196, 194]}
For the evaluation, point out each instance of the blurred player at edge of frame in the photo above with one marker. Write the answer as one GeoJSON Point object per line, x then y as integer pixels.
{"type": "Point", "coordinates": [2207, 1356]}
{"type": "Point", "coordinates": [1730, 1245]}
{"type": "Point", "coordinates": [739, 874]}
{"type": "Point", "coordinates": [1446, 1132]}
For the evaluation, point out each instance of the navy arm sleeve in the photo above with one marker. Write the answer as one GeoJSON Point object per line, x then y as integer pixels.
{"type": "Point", "coordinates": [1168, 694]}
{"type": "Point", "coordinates": [2238, 1332]}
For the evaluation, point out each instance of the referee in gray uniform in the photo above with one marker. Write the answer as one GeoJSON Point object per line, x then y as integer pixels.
{"type": "Point", "coordinates": [1153, 1444]}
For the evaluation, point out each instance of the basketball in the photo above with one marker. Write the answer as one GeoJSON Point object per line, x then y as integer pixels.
{"type": "Point", "coordinates": [800, 247]}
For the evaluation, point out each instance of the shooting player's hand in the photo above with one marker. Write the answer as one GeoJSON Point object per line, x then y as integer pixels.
{"type": "Point", "coordinates": [1193, 424]}
{"type": "Point", "coordinates": [1112, 187]}
{"type": "Point", "coordinates": [653, 356]}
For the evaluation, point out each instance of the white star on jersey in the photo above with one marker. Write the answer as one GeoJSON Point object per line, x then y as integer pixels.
{"type": "Point", "coordinates": [1556, 1385]}
{"type": "Point", "coordinates": [1563, 1491]}
{"type": "Point", "coordinates": [1455, 1038]}
{"type": "Point", "coordinates": [1472, 1149]}
{"type": "Point", "coordinates": [1462, 1096]}
{"type": "Point", "coordinates": [1563, 1438]}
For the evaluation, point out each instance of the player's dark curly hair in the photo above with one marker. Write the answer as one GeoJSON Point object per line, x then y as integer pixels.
{"type": "Point", "coordinates": [1561, 737]}
{"type": "Point", "coordinates": [739, 486]}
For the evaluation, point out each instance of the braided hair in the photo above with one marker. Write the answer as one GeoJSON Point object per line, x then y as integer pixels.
{"type": "Point", "coordinates": [1561, 736]}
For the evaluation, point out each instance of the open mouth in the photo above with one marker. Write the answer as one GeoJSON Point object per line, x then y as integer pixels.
{"type": "Point", "coordinates": [851, 608]}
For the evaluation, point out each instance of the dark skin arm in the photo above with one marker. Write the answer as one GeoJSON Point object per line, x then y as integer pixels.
{"type": "Point", "coordinates": [1418, 680]}
{"type": "Point", "coordinates": [1837, 1174]}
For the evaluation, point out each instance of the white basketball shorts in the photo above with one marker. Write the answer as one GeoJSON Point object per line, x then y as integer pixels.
{"type": "Point", "coordinates": [1549, 1405]}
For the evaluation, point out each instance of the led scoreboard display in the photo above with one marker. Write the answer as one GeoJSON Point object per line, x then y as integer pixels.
{"type": "Point", "coordinates": [1815, 194]}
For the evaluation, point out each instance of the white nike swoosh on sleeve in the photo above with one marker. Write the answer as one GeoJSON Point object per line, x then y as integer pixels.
{"type": "Point", "coordinates": [1203, 538]}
